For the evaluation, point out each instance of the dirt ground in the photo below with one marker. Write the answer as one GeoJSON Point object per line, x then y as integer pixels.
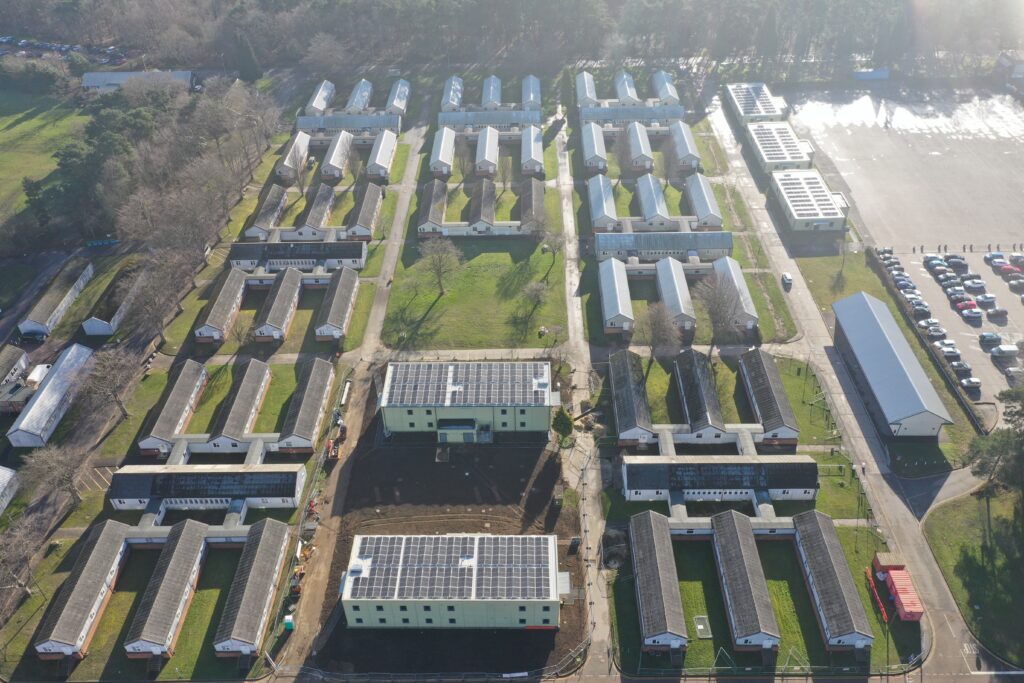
{"type": "Point", "coordinates": [500, 490]}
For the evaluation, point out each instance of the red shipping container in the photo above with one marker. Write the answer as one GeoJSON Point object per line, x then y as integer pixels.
{"type": "Point", "coordinates": [908, 603]}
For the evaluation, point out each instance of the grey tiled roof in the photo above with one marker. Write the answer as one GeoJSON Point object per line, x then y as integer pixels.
{"type": "Point", "coordinates": [339, 299]}
{"type": "Point", "coordinates": [267, 217]}
{"type": "Point", "coordinates": [654, 571]}
{"type": "Point", "coordinates": [177, 400]}
{"type": "Point", "coordinates": [697, 391]}
{"type": "Point", "coordinates": [765, 390]}
{"type": "Point", "coordinates": [219, 313]}
{"type": "Point", "coordinates": [308, 400]}
{"type": "Point", "coordinates": [281, 300]}
{"type": "Point", "coordinates": [245, 391]}
{"type": "Point", "coordinates": [629, 395]}
{"type": "Point", "coordinates": [739, 567]}
{"type": "Point", "coordinates": [481, 204]}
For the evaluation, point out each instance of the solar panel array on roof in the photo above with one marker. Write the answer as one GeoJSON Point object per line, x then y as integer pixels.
{"type": "Point", "coordinates": [753, 99]}
{"type": "Point", "coordinates": [436, 567]}
{"type": "Point", "coordinates": [468, 384]}
{"type": "Point", "coordinates": [776, 142]}
{"type": "Point", "coordinates": [380, 579]}
{"type": "Point", "coordinates": [513, 568]}
{"type": "Point", "coordinates": [807, 194]}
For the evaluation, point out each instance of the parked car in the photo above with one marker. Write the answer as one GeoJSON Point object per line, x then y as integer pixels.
{"type": "Point", "coordinates": [944, 343]}
{"type": "Point", "coordinates": [930, 322]}
{"type": "Point", "coordinates": [1010, 273]}
{"type": "Point", "coordinates": [959, 298]}
{"type": "Point", "coordinates": [986, 300]}
{"type": "Point", "coordinates": [950, 352]}
{"type": "Point", "coordinates": [787, 280]}
{"type": "Point", "coordinates": [1017, 286]}
{"type": "Point", "coordinates": [990, 339]}
{"type": "Point", "coordinates": [922, 310]}
{"type": "Point", "coordinates": [993, 255]}
{"type": "Point", "coordinates": [954, 289]}
{"type": "Point", "coordinates": [1005, 351]}
{"type": "Point", "coordinates": [941, 270]}
{"type": "Point", "coordinates": [998, 263]}
{"type": "Point", "coordinates": [975, 285]}
{"type": "Point", "coordinates": [1016, 259]}
{"type": "Point", "coordinates": [895, 269]}
{"type": "Point", "coordinates": [970, 276]}
{"type": "Point", "coordinates": [885, 251]}
{"type": "Point", "coordinates": [933, 263]}
{"type": "Point", "coordinates": [904, 284]}
{"type": "Point", "coordinates": [997, 313]}
{"type": "Point", "coordinates": [960, 367]}
{"type": "Point", "coordinates": [970, 383]}
{"type": "Point", "coordinates": [948, 277]}
{"type": "Point", "coordinates": [971, 314]}
{"type": "Point", "coordinates": [910, 294]}
{"type": "Point", "coordinates": [936, 332]}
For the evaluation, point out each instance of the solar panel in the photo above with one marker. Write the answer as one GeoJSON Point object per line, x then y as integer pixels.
{"type": "Point", "coordinates": [807, 194]}
{"type": "Point", "coordinates": [379, 580]}
{"type": "Point", "coordinates": [513, 568]}
{"type": "Point", "coordinates": [753, 98]}
{"type": "Point", "coordinates": [468, 384]}
{"type": "Point", "coordinates": [437, 568]}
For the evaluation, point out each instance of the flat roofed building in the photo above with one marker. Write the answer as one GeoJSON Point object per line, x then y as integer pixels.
{"type": "Point", "coordinates": [703, 202]}
{"type": "Point", "coordinates": [603, 214]}
{"type": "Point", "coordinates": [336, 160]}
{"type": "Point", "coordinates": [686, 154]}
{"type": "Point", "coordinates": [899, 396]}
{"type": "Point", "coordinates": [451, 99]}
{"type": "Point", "coordinates": [269, 213]}
{"type": "Point", "coordinates": [777, 148]}
{"type": "Point", "coordinates": [321, 99]}
{"type": "Point", "coordinates": [616, 306]}
{"type": "Point", "coordinates": [841, 616]}
{"type": "Point", "coordinates": [488, 582]}
{"type": "Point", "coordinates": [531, 93]}
{"type": "Point", "coordinates": [109, 81]}
{"type": "Point", "coordinates": [221, 314]}
{"type": "Point", "coordinates": [532, 213]}
{"type": "Point", "coordinates": [176, 410]}
{"type": "Point", "coordinates": [748, 604]}
{"type": "Point", "coordinates": [43, 412]}
{"type": "Point", "coordinates": [482, 205]}
{"type": "Point", "coordinates": [398, 98]}
{"type": "Point", "coordinates": [586, 91]}
{"type": "Point", "coordinates": [651, 195]}
{"type": "Point", "coordinates": [695, 385]}
{"type": "Point", "coordinates": [13, 363]}
{"type": "Point", "coordinates": [629, 398]}
{"type": "Point", "coordinates": [335, 312]}
{"type": "Point", "coordinates": [719, 477]}
{"type": "Point", "coordinates": [625, 89]}
{"type": "Point", "coordinates": [73, 615]}
{"type": "Point", "coordinates": [754, 102]}
{"type": "Point", "coordinates": [806, 201]}
{"type": "Point", "coordinates": [278, 310]}
{"type": "Point", "coordinates": [239, 409]}
{"type": "Point", "coordinates": [323, 129]}
{"type": "Point", "coordinates": [319, 213]}
{"type": "Point", "coordinates": [367, 218]}
{"type": "Point", "coordinates": [654, 246]}
{"type": "Point", "coordinates": [382, 155]}
{"type": "Point", "coordinates": [294, 157]}
{"type": "Point", "coordinates": [658, 601]}
{"type": "Point", "coordinates": [57, 298]}
{"type": "Point", "coordinates": [766, 394]}
{"type": "Point", "coordinates": [433, 203]}
{"type": "Point", "coordinates": [617, 117]}
{"type": "Point", "coordinates": [307, 407]}
{"type": "Point", "coordinates": [729, 276]}
{"type": "Point", "coordinates": [442, 155]}
{"type": "Point", "coordinates": [9, 485]}
{"type": "Point", "coordinates": [251, 596]}
{"type": "Point", "coordinates": [507, 120]}
{"type": "Point", "coordinates": [674, 293]}
{"type": "Point", "coordinates": [531, 154]}
{"type": "Point", "coordinates": [161, 612]}
{"type": "Point", "coordinates": [490, 97]}
{"type": "Point", "coordinates": [206, 487]}
{"type": "Point", "coordinates": [468, 402]}
{"type": "Point", "coordinates": [595, 155]}
{"type": "Point", "coordinates": [641, 158]}
{"type": "Point", "coordinates": [664, 87]}
{"type": "Point", "coordinates": [359, 98]}
{"type": "Point", "coordinates": [304, 256]}
{"type": "Point", "coordinates": [487, 152]}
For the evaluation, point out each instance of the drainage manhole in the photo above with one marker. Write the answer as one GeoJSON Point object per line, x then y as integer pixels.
{"type": "Point", "coordinates": [703, 627]}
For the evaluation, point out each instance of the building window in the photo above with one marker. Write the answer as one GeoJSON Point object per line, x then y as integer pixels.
{"type": "Point", "coordinates": [359, 620]}
{"type": "Point", "coordinates": [383, 620]}
{"type": "Point", "coordinates": [522, 411]}
{"type": "Point", "coordinates": [504, 424]}
{"type": "Point", "coordinates": [355, 608]}
{"type": "Point", "coordinates": [403, 608]}
{"type": "Point", "coordinates": [522, 608]}
{"type": "Point", "coordinates": [546, 608]}
{"type": "Point", "coordinates": [430, 425]}
{"type": "Point", "coordinates": [522, 425]}
{"type": "Point", "coordinates": [426, 608]}
{"type": "Point", "coordinates": [405, 620]}
{"type": "Point", "coordinates": [412, 425]}
{"type": "Point", "coordinates": [546, 621]}
{"type": "Point", "coordinates": [429, 621]}
{"type": "Point", "coordinates": [522, 621]}
{"type": "Point", "coordinates": [380, 608]}
{"type": "Point", "coordinates": [451, 621]}
{"type": "Point", "coordinates": [408, 412]}
{"type": "Point", "coordinates": [718, 436]}
{"type": "Point", "coordinates": [429, 411]}
{"type": "Point", "coordinates": [451, 608]}
{"type": "Point", "coordinates": [504, 411]}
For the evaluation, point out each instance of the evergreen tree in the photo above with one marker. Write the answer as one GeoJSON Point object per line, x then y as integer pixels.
{"type": "Point", "coordinates": [249, 69]}
{"type": "Point", "coordinates": [562, 423]}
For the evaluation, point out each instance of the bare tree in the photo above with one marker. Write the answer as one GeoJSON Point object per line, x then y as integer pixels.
{"type": "Point", "coordinates": [723, 306]}
{"type": "Point", "coordinates": [442, 258]}
{"type": "Point", "coordinates": [656, 330]}
{"type": "Point", "coordinates": [113, 370]}
{"type": "Point", "coordinates": [554, 244]}
{"type": "Point", "coordinates": [240, 334]}
{"type": "Point", "coordinates": [620, 148]}
{"type": "Point", "coordinates": [463, 159]}
{"type": "Point", "coordinates": [504, 172]}
{"type": "Point", "coordinates": [355, 165]}
{"type": "Point", "coordinates": [54, 468]}
{"type": "Point", "coordinates": [325, 54]}
{"type": "Point", "coordinates": [17, 543]}
{"type": "Point", "coordinates": [535, 293]}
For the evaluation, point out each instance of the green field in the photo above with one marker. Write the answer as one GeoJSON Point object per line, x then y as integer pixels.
{"type": "Point", "coordinates": [360, 316]}
{"type": "Point", "coordinates": [618, 509]}
{"type": "Point", "coordinates": [839, 495]}
{"type": "Point", "coordinates": [978, 544]}
{"type": "Point", "coordinates": [121, 441]}
{"type": "Point", "coordinates": [283, 379]}
{"type": "Point", "coordinates": [178, 332]}
{"type": "Point", "coordinates": [712, 157]}
{"type": "Point", "coordinates": [809, 406]}
{"type": "Point", "coordinates": [399, 163]}
{"type": "Point", "coordinates": [105, 269]}
{"type": "Point", "coordinates": [216, 391]}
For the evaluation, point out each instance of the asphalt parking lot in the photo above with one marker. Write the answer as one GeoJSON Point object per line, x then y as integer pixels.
{"type": "Point", "coordinates": [964, 333]}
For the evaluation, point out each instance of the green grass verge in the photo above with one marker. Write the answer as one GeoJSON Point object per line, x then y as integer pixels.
{"type": "Point", "coordinates": [662, 394]}
{"type": "Point", "coordinates": [106, 269]}
{"type": "Point", "coordinates": [618, 509]}
{"type": "Point", "coordinates": [213, 396]}
{"type": "Point", "coordinates": [360, 316]}
{"type": "Point", "coordinates": [374, 258]}
{"type": "Point", "coordinates": [813, 415]}
{"type": "Point", "coordinates": [121, 441]}
{"type": "Point", "coordinates": [179, 331]}
{"type": "Point", "coordinates": [283, 379]}
{"type": "Point", "coordinates": [399, 163]}
{"type": "Point", "coordinates": [712, 157]}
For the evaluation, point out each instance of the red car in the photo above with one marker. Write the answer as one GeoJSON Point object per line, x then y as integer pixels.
{"type": "Point", "coordinates": [1010, 272]}
{"type": "Point", "coordinates": [964, 305]}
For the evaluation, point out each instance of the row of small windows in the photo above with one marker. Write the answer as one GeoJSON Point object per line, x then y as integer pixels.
{"type": "Point", "coordinates": [428, 620]}
{"type": "Point", "coordinates": [450, 608]}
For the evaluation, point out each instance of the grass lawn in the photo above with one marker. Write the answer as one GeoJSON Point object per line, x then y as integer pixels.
{"type": "Point", "coordinates": [553, 210]}
{"type": "Point", "coordinates": [504, 204]}
{"type": "Point", "coordinates": [399, 163]}
{"type": "Point", "coordinates": [712, 157]}
{"type": "Point", "coordinates": [978, 546]}
{"type": "Point", "coordinates": [812, 412]}
{"type": "Point", "coordinates": [625, 621]}
{"type": "Point", "coordinates": [801, 642]}
{"type": "Point", "coordinates": [736, 408]}
{"type": "Point", "coordinates": [95, 508]}
{"type": "Point", "coordinates": [32, 128]}
{"type": "Point", "coordinates": [458, 203]}
{"type": "Point", "coordinates": [239, 216]}
{"type": "Point", "coordinates": [216, 391]}
{"type": "Point", "coordinates": [360, 316]}
{"type": "Point", "coordinates": [374, 259]}
{"type": "Point", "coordinates": [623, 200]}
{"type": "Point", "coordinates": [766, 322]}
{"type": "Point", "coordinates": [839, 495]}
{"type": "Point", "coordinates": [662, 394]}
{"type": "Point", "coordinates": [774, 319]}
{"type": "Point", "coordinates": [16, 277]}
{"type": "Point", "coordinates": [122, 440]}
{"type": "Point", "coordinates": [488, 286]}
{"type": "Point", "coordinates": [252, 303]}
{"type": "Point", "coordinates": [721, 195]}
{"type": "Point", "coordinates": [283, 379]}
{"type": "Point", "coordinates": [178, 332]}
{"type": "Point", "coordinates": [387, 216]}
{"type": "Point", "coordinates": [907, 459]}
{"type": "Point", "coordinates": [618, 509]}
{"type": "Point", "coordinates": [551, 160]}
{"type": "Point", "coordinates": [106, 269]}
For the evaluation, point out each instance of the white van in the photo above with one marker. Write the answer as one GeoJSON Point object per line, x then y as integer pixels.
{"type": "Point", "coordinates": [1005, 351]}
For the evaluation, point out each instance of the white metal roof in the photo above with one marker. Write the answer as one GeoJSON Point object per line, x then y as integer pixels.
{"type": "Point", "coordinates": [652, 197]}
{"type": "Point", "coordinates": [586, 91]}
{"type": "Point", "coordinates": [602, 200]}
{"type": "Point", "coordinates": [639, 143]}
{"type": "Point", "coordinates": [702, 197]}
{"type": "Point", "coordinates": [443, 150]}
{"type": "Point", "coordinates": [532, 146]}
{"type": "Point", "coordinates": [491, 96]}
{"type": "Point", "coordinates": [337, 153]}
{"type": "Point", "coordinates": [531, 92]}
{"type": "Point", "coordinates": [754, 99]}
{"type": "Point", "coordinates": [297, 150]}
{"type": "Point", "coordinates": [383, 151]}
{"type": "Point", "coordinates": [593, 142]}
{"type": "Point", "coordinates": [487, 146]}
{"type": "Point", "coordinates": [896, 378]}
{"type": "Point", "coordinates": [115, 79]}
{"type": "Point", "coordinates": [350, 122]}
{"type": "Point", "coordinates": [615, 299]}
{"type": "Point", "coordinates": [673, 290]}
{"type": "Point", "coordinates": [359, 98]}
{"type": "Point", "coordinates": [683, 143]}
{"type": "Point", "coordinates": [320, 99]}
{"type": "Point", "coordinates": [664, 87]}
{"type": "Point", "coordinates": [625, 88]}
{"type": "Point", "coordinates": [452, 97]}
{"type": "Point", "coordinates": [66, 375]}
{"type": "Point", "coordinates": [777, 142]}
{"type": "Point", "coordinates": [398, 98]}
{"type": "Point", "coordinates": [679, 242]}
{"type": "Point", "coordinates": [807, 195]}
{"type": "Point", "coordinates": [731, 275]}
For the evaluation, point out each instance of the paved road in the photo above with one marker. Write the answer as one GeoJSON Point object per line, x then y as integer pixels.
{"type": "Point", "coordinates": [47, 265]}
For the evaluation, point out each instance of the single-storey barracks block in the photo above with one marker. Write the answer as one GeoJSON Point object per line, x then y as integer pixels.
{"type": "Point", "coordinates": [703, 202]}
{"type": "Point", "coordinates": [239, 410]}
{"type": "Point", "coordinates": [307, 407]}
{"type": "Point", "coordinates": [586, 90]}
{"type": "Point", "coordinates": [806, 202]}
{"type": "Point", "coordinates": [507, 582]}
{"type": "Point", "coordinates": [658, 601]}
{"type": "Point", "coordinates": [335, 312]}
{"type": "Point", "coordinates": [899, 396]}
{"type": "Point", "coordinates": [532, 151]}
{"type": "Point", "coordinates": [509, 121]}
{"type": "Point", "coordinates": [674, 293]}
{"type": "Point", "coordinates": [595, 155]}
{"type": "Point", "coordinates": [9, 485]}
{"type": "Point", "coordinates": [664, 87]}
{"type": "Point", "coordinates": [490, 96]}
{"type": "Point", "coordinates": [109, 81]}
{"type": "Point", "coordinates": [767, 397]}
{"type": "Point", "coordinates": [451, 98]}
{"type": "Point", "coordinates": [57, 299]}
{"type": "Point", "coordinates": [359, 98]}
{"type": "Point", "coordinates": [158, 619]}
{"type": "Point", "coordinates": [531, 96]}
{"type": "Point", "coordinates": [314, 226]}
{"type": "Point", "coordinates": [336, 160]}
{"type": "Point", "coordinates": [729, 276]}
{"type": "Point", "coordinates": [685, 153]}
{"type": "Point", "coordinates": [13, 363]}
{"type": "Point", "coordinates": [293, 160]}
{"type": "Point", "coordinates": [220, 316]}
{"type": "Point", "coordinates": [304, 256]}
{"type": "Point", "coordinates": [482, 204]}
{"type": "Point", "coordinates": [173, 415]}
{"type": "Point", "coordinates": [651, 196]}
{"type": "Point", "coordinates": [106, 316]}
{"type": "Point", "coordinates": [43, 412]}
{"type": "Point", "coordinates": [442, 155]}
{"type": "Point", "coordinates": [532, 213]}
{"type": "Point", "coordinates": [837, 604]}
{"type": "Point", "coordinates": [616, 305]}
{"type": "Point", "coordinates": [398, 98]}
{"type": "Point", "coordinates": [432, 206]}
{"type": "Point", "coordinates": [363, 127]}
{"type": "Point", "coordinates": [625, 89]}
{"type": "Point", "coordinates": [381, 156]}
{"type": "Point", "coordinates": [278, 310]}
{"type": "Point", "coordinates": [604, 216]}
{"type": "Point", "coordinates": [365, 221]}
{"type": "Point", "coordinates": [641, 158]}
{"type": "Point", "coordinates": [269, 214]}
{"type": "Point", "coordinates": [692, 374]}
{"type": "Point", "coordinates": [207, 487]}
{"type": "Point", "coordinates": [468, 402]}
{"type": "Point", "coordinates": [629, 398]}
{"type": "Point", "coordinates": [777, 148]}
{"type": "Point", "coordinates": [321, 99]}
{"type": "Point", "coordinates": [754, 102]}
{"type": "Point", "coordinates": [487, 152]}
{"type": "Point", "coordinates": [251, 596]}
{"type": "Point", "coordinates": [654, 246]}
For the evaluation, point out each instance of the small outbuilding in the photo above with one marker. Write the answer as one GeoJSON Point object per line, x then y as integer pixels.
{"type": "Point", "coordinates": [43, 412]}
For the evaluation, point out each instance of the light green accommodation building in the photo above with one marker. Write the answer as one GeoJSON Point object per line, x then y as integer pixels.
{"type": "Point", "coordinates": [468, 402]}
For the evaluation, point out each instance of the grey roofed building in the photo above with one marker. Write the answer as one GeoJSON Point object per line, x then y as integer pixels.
{"type": "Point", "coordinates": [246, 391]}
{"type": "Point", "coordinates": [593, 143]}
{"type": "Point", "coordinates": [112, 80]}
{"type": "Point", "coordinates": [331, 124]}
{"type": "Point", "coordinates": [134, 482]}
{"type": "Point", "coordinates": [776, 143]}
{"type": "Point", "coordinates": [625, 88]}
{"type": "Point", "coordinates": [531, 204]}
{"type": "Point", "coordinates": [682, 472]}
{"type": "Point", "coordinates": [652, 198]}
{"type": "Point", "coordinates": [702, 200]}
{"type": "Point", "coordinates": [674, 293]}
{"type": "Point", "coordinates": [467, 384]}
{"type": "Point", "coordinates": [839, 606]}
{"type": "Point", "coordinates": [807, 200]}
{"type": "Point", "coordinates": [442, 155]}
{"type": "Point", "coordinates": [697, 392]}
{"type": "Point", "coordinates": [336, 159]}
{"type": "Point", "coordinates": [490, 97]}
{"type": "Point", "coordinates": [629, 396]}
{"type": "Point", "coordinates": [58, 290]}
{"type": "Point", "coordinates": [601, 200]}
{"type": "Point", "coordinates": [729, 274]}
{"type": "Point", "coordinates": [664, 87]}
{"type": "Point", "coordinates": [659, 603]}
{"type": "Point", "coordinates": [382, 153]}
{"type": "Point", "coordinates": [874, 345]}
{"type": "Point", "coordinates": [435, 197]}
{"type": "Point", "coordinates": [451, 99]}
{"type": "Point", "coordinates": [270, 210]}
{"type": "Point", "coordinates": [43, 412]}
{"type": "Point", "coordinates": [295, 153]}
{"type": "Point", "coordinates": [639, 142]}
{"type": "Point", "coordinates": [487, 147]}
{"type": "Point", "coordinates": [748, 603]}
{"type": "Point", "coordinates": [481, 204]}
{"type": "Point", "coordinates": [253, 587]}
{"type": "Point", "coordinates": [220, 313]}
{"type": "Point", "coordinates": [684, 145]}
{"type": "Point", "coordinates": [532, 146]}
{"type": "Point", "coordinates": [11, 358]}
{"type": "Point", "coordinates": [615, 302]}
{"type": "Point", "coordinates": [369, 206]}
{"type": "Point", "coordinates": [307, 402]}
{"type": "Point", "coordinates": [320, 99]}
{"type": "Point", "coordinates": [755, 102]}
{"type": "Point", "coordinates": [586, 91]}
{"type": "Point", "coordinates": [503, 119]}
{"type": "Point", "coordinates": [658, 245]}
{"type": "Point", "coordinates": [177, 401]}
{"type": "Point", "coordinates": [320, 210]}
{"type": "Point", "coordinates": [766, 392]}
{"type": "Point", "coordinates": [662, 114]}
{"type": "Point", "coordinates": [398, 98]}
{"type": "Point", "coordinates": [531, 92]}
{"type": "Point", "coordinates": [280, 303]}
{"type": "Point", "coordinates": [339, 300]}
{"type": "Point", "coordinates": [359, 98]}
{"type": "Point", "coordinates": [256, 251]}
{"type": "Point", "coordinates": [69, 615]}
{"type": "Point", "coordinates": [157, 617]}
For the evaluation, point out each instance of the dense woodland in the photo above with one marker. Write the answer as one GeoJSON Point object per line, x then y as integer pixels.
{"type": "Point", "coordinates": [218, 33]}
